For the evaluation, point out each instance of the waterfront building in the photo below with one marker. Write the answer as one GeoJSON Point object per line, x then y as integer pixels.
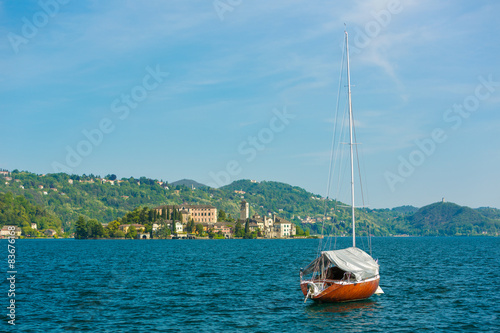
{"type": "Point", "coordinates": [199, 213]}
{"type": "Point", "coordinates": [138, 227]}
{"type": "Point", "coordinates": [272, 226]}
{"type": "Point", "coordinates": [6, 231]}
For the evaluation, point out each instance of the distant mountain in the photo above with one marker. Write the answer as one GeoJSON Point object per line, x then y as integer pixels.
{"type": "Point", "coordinates": [492, 213]}
{"type": "Point", "coordinates": [405, 209]}
{"type": "Point", "coordinates": [276, 197]}
{"type": "Point", "coordinates": [189, 183]}
{"type": "Point", "coordinates": [446, 218]}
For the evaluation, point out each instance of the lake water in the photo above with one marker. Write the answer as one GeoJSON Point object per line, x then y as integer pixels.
{"type": "Point", "coordinates": [430, 284]}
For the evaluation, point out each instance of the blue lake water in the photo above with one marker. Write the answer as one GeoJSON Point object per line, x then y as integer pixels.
{"type": "Point", "coordinates": [430, 284]}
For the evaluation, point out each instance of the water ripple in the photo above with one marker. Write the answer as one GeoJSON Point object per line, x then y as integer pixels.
{"type": "Point", "coordinates": [430, 284]}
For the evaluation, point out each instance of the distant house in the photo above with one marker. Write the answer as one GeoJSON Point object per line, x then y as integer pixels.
{"type": "Point", "coordinates": [253, 226]}
{"type": "Point", "coordinates": [284, 228]}
{"type": "Point", "coordinates": [178, 227]}
{"type": "Point", "coordinates": [7, 229]}
{"type": "Point", "coordinates": [40, 187]}
{"type": "Point", "coordinates": [225, 228]}
{"type": "Point", "coordinates": [138, 227]}
{"type": "Point", "coordinates": [70, 181]}
{"type": "Point", "coordinates": [33, 226]}
{"type": "Point", "coordinates": [50, 232]}
{"type": "Point", "coordinates": [4, 173]}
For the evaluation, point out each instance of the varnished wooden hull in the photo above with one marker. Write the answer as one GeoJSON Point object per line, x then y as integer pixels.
{"type": "Point", "coordinates": [341, 291]}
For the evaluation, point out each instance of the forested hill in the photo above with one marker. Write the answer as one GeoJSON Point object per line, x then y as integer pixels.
{"type": "Point", "coordinates": [446, 218]}
{"type": "Point", "coordinates": [269, 196]}
{"type": "Point", "coordinates": [104, 199]}
{"type": "Point", "coordinates": [189, 183]}
{"type": "Point", "coordinates": [60, 199]}
{"type": "Point", "coordinates": [20, 212]}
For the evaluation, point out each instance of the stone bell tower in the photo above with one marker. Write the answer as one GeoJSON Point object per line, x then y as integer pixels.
{"type": "Point", "coordinates": [244, 210]}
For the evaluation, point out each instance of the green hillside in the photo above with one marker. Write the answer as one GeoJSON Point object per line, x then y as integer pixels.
{"type": "Point", "coordinates": [64, 198]}
{"type": "Point", "coordinates": [295, 204]}
{"type": "Point", "coordinates": [188, 183]}
{"type": "Point", "coordinates": [446, 218]}
{"type": "Point", "coordinates": [20, 212]}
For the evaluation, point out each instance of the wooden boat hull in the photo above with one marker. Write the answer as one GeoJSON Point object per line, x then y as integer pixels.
{"type": "Point", "coordinates": [342, 291]}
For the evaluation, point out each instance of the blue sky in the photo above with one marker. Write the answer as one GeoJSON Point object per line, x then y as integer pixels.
{"type": "Point", "coordinates": [223, 90]}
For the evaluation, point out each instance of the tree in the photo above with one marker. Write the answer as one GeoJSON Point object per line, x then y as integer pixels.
{"type": "Point", "coordinates": [221, 215]}
{"type": "Point", "coordinates": [94, 229]}
{"type": "Point", "coordinates": [111, 177]}
{"type": "Point", "coordinates": [143, 215]}
{"type": "Point", "coordinates": [299, 231]}
{"type": "Point", "coordinates": [81, 228]}
{"type": "Point", "coordinates": [190, 227]}
{"type": "Point", "coordinates": [199, 229]}
{"type": "Point", "coordinates": [247, 227]}
{"type": "Point", "coordinates": [164, 232]}
{"type": "Point", "coordinates": [238, 230]}
{"type": "Point", "coordinates": [131, 233]}
{"type": "Point", "coordinates": [113, 227]}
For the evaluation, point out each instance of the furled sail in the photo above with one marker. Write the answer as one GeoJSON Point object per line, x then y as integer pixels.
{"type": "Point", "coordinates": [352, 259]}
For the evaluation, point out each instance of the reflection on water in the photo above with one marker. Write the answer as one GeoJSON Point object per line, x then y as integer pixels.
{"type": "Point", "coordinates": [359, 316]}
{"type": "Point", "coordinates": [368, 305]}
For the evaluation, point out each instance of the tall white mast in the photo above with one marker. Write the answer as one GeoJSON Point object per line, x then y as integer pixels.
{"type": "Point", "coordinates": [351, 143]}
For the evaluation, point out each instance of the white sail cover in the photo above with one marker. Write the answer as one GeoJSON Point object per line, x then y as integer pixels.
{"type": "Point", "coordinates": [352, 259]}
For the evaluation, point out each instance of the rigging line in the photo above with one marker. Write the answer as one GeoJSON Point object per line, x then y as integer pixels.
{"type": "Point", "coordinates": [361, 185]}
{"type": "Point", "coordinates": [367, 203]}
{"type": "Point", "coordinates": [357, 160]}
{"type": "Point", "coordinates": [359, 174]}
{"type": "Point", "coordinates": [332, 149]}
{"type": "Point", "coordinates": [341, 158]}
{"type": "Point", "coordinates": [363, 169]}
{"type": "Point", "coordinates": [340, 152]}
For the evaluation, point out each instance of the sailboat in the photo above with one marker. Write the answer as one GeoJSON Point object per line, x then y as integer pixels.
{"type": "Point", "coordinates": [348, 274]}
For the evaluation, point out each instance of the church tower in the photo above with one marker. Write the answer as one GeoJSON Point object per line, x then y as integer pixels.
{"type": "Point", "coordinates": [244, 210]}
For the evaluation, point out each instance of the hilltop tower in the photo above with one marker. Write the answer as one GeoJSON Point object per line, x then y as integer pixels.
{"type": "Point", "coordinates": [244, 210]}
